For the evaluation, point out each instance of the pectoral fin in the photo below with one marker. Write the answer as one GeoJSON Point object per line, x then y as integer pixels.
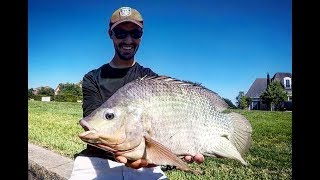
{"type": "Point", "coordinates": [161, 155]}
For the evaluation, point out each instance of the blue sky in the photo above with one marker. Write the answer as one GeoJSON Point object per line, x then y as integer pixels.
{"type": "Point", "coordinates": [222, 44]}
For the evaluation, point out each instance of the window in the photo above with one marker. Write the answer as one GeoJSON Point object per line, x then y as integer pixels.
{"type": "Point", "coordinates": [287, 82]}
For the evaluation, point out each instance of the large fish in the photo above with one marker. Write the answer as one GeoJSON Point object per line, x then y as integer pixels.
{"type": "Point", "coordinates": [161, 119]}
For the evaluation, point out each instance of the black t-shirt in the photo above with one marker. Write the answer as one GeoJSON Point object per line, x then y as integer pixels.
{"type": "Point", "coordinates": [99, 85]}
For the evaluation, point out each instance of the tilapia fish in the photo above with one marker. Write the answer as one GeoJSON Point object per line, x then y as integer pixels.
{"type": "Point", "coordinates": [162, 119]}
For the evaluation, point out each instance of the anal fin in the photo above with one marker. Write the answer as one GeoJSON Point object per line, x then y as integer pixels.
{"type": "Point", "coordinates": [224, 148]}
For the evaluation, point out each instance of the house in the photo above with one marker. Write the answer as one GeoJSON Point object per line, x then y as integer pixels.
{"type": "Point", "coordinates": [260, 85]}
{"type": "Point", "coordinates": [256, 89]}
{"type": "Point", "coordinates": [57, 90]}
{"type": "Point", "coordinates": [35, 91]}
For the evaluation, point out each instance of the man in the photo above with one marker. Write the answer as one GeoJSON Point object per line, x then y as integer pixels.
{"type": "Point", "coordinates": [125, 30]}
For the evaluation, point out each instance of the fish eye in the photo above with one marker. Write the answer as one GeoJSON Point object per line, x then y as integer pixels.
{"type": "Point", "coordinates": [109, 116]}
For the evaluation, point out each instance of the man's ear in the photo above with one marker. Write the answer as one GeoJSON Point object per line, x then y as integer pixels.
{"type": "Point", "coordinates": [110, 33]}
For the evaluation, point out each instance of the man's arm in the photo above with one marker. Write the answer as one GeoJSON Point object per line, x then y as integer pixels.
{"type": "Point", "coordinates": [91, 96]}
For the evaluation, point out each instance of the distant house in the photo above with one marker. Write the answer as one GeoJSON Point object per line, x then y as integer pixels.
{"type": "Point", "coordinates": [260, 85]}
{"type": "Point", "coordinates": [57, 90]}
{"type": "Point", "coordinates": [256, 89]}
{"type": "Point", "coordinates": [35, 91]}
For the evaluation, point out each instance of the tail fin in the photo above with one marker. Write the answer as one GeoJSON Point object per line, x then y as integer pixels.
{"type": "Point", "coordinates": [241, 137]}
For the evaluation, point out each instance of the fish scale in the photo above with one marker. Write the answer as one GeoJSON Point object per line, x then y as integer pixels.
{"type": "Point", "coordinates": [183, 126]}
{"type": "Point", "coordinates": [160, 118]}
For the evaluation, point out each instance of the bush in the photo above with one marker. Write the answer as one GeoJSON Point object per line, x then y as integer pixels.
{"type": "Point", "coordinates": [66, 98]}
{"type": "Point", "coordinates": [38, 97]}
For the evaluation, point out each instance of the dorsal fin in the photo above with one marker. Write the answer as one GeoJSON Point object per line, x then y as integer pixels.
{"type": "Point", "coordinates": [218, 101]}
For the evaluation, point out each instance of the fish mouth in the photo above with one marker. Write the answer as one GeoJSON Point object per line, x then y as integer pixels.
{"type": "Point", "coordinates": [93, 138]}
{"type": "Point", "coordinates": [85, 125]}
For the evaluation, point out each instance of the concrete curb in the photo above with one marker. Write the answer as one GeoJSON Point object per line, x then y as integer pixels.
{"type": "Point", "coordinates": [45, 164]}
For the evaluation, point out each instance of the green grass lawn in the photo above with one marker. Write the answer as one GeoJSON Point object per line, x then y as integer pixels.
{"type": "Point", "coordinates": [54, 125]}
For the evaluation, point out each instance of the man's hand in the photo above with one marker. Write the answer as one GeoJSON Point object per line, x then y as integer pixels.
{"type": "Point", "coordinates": [198, 158]}
{"type": "Point", "coordinates": [134, 164]}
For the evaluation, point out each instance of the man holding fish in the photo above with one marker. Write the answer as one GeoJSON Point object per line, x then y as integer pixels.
{"type": "Point", "coordinates": [125, 30]}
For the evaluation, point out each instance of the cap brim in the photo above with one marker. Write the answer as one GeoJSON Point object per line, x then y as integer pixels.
{"type": "Point", "coordinates": [126, 20]}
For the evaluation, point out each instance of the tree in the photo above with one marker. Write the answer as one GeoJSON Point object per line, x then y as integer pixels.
{"type": "Point", "coordinates": [46, 91]}
{"type": "Point", "coordinates": [238, 98]}
{"type": "Point", "coordinates": [244, 102]}
{"type": "Point", "coordinates": [41, 92]}
{"type": "Point", "coordinates": [30, 93]}
{"type": "Point", "coordinates": [69, 92]}
{"type": "Point", "coordinates": [274, 95]}
{"type": "Point", "coordinates": [229, 102]}
{"type": "Point", "coordinates": [70, 88]}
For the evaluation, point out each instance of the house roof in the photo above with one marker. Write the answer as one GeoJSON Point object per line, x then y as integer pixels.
{"type": "Point", "coordinates": [280, 76]}
{"type": "Point", "coordinates": [257, 87]}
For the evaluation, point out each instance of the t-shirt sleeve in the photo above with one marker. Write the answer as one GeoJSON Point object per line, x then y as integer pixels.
{"type": "Point", "coordinates": [91, 96]}
{"type": "Point", "coordinates": [149, 72]}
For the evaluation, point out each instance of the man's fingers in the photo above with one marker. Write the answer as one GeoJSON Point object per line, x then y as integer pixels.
{"type": "Point", "coordinates": [121, 159]}
{"type": "Point", "coordinates": [188, 159]}
{"type": "Point", "coordinates": [137, 164]}
{"type": "Point", "coordinates": [134, 164]}
{"type": "Point", "coordinates": [198, 158]}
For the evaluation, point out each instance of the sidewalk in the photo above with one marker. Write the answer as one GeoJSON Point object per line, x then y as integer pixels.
{"type": "Point", "coordinates": [45, 164]}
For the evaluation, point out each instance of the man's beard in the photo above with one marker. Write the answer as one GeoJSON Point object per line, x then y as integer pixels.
{"type": "Point", "coordinates": [126, 56]}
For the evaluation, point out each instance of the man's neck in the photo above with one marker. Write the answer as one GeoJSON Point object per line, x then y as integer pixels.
{"type": "Point", "coordinates": [119, 63]}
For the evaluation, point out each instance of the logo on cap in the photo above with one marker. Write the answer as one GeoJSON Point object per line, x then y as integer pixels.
{"type": "Point", "coordinates": [125, 11]}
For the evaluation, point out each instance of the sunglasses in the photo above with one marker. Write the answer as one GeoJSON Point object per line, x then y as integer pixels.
{"type": "Point", "coordinates": [121, 34]}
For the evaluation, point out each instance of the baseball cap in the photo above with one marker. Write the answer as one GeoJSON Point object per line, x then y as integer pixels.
{"type": "Point", "coordinates": [125, 14]}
